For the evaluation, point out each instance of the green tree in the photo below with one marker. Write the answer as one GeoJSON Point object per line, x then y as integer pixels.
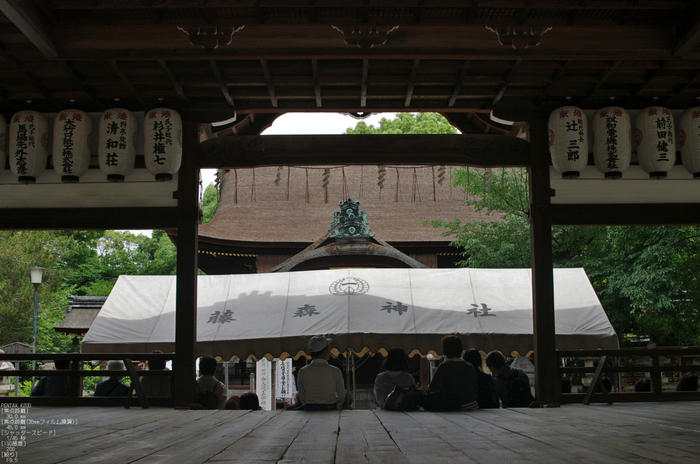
{"type": "Point", "coordinates": [210, 202]}
{"type": "Point", "coordinates": [77, 263]}
{"type": "Point", "coordinates": [645, 277]}
{"type": "Point", "coordinates": [407, 123]}
{"type": "Point", "coordinates": [18, 252]}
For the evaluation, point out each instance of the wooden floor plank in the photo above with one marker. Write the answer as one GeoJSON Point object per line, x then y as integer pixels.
{"type": "Point", "coordinates": [129, 443]}
{"type": "Point", "coordinates": [317, 440]}
{"type": "Point", "coordinates": [418, 443]}
{"type": "Point", "coordinates": [557, 437]}
{"type": "Point", "coordinates": [638, 433]}
{"type": "Point", "coordinates": [363, 439]}
{"type": "Point", "coordinates": [267, 443]}
{"type": "Point", "coordinates": [215, 434]}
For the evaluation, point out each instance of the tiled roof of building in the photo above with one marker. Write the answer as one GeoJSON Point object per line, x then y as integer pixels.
{"type": "Point", "coordinates": [80, 314]}
{"type": "Point", "coordinates": [296, 204]}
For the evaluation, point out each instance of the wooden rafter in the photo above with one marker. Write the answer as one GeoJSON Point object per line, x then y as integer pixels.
{"type": "Point", "coordinates": [458, 85]}
{"type": "Point", "coordinates": [411, 83]}
{"type": "Point", "coordinates": [270, 84]}
{"type": "Point", "coordinates": [363, 91]}
{"type": "Point", "coordinates": [222, 84]}
{"type": "Point", "coordinates": [317, 83]}
{"type": "Point", "coordinates": [505, 85]}
{"type": "Point", "coordinates": [176, 85]}
{"type": "Point", "coordinates": [603, 77]}
{"type": "Point", "coordinates": [32, 24]}
{"type": "Point", "coordinates": [125, 79]}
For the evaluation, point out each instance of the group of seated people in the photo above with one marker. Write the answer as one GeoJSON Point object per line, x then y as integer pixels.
{"type": "Point", "coordinates": [689, 382]}
{"type": "Point", "coordinates": [458, 383]}
{"type": "Point", "coordinates": [152, 386]}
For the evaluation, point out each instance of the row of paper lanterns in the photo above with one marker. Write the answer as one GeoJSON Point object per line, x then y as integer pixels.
{"type": "Point", "coordinates": [73, 135]}
{"type": "Point", "coordinates": [611, 135]}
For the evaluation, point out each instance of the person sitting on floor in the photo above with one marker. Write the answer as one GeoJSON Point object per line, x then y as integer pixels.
{"type": "Point", "coordinates": [395, 365]}
{"type": "Point", "coordinates": [158, 385]}
{"type": "Point", "coordinates": [453, 386]}
{"type": "Point", "coordinates": [642, 385]}
{"type": "Point", "coordinates": [232, 402]}
{"type": "Point", "coordinates": [486, 391]}
{"type": "Point", "coordinates": [512, 384]}
{"type": "Point", "coordinates": [688, 383]}
{"type": "Point", "coordinates": [249, 400]}
{"type": "Point", "coordinates": [211, 393]}
{"type": "Point", "coordinates": [112, 386]}
{"type": "Point", "coordinates": [54, 385]}
{"type": "Point", "coordinates": [320, 384]}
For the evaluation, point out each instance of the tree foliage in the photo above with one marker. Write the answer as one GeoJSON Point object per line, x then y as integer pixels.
{"type": "Point", "coordinates": [77, 263]}
{"type": "Point", "coordinates": [645, 277]}
{"type": "Point", "coordinates": [407, 123]}
{"type": "Point", "coordinates": [81, 263]}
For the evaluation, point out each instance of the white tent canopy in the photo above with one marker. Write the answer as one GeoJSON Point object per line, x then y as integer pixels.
{"type": "Point", "coordinates": [362, 309]}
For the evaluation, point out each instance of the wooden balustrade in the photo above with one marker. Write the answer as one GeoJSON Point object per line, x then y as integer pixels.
{"type": "Point", "coordinates": [76, 374]}
{"type": "Point", "coordinates": [613, 362]}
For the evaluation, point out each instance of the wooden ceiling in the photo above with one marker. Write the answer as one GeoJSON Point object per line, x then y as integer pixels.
{"type": "Point", "coordinates": [211, 58]}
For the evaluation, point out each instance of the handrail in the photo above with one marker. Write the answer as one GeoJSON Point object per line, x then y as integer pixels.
{"type": "Point", "coordinates": [75, 374]}
{"type": "Point", "coordinates": [605, 367]}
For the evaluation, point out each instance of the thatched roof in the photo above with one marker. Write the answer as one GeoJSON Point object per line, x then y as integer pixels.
{"type": "Point", "coordinates": [296, 204]}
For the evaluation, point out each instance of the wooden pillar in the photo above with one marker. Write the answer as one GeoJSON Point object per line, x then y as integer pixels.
{"type": "Point", "coordinates": [186, 306]}
{"type": "Point", "coordinates": [542, 272]}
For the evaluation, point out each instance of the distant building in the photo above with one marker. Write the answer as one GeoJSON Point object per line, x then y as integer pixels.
{"type": "Point", "coordinates": [268, 215]}
{"type": "Point", "coordinates": [80, 314]}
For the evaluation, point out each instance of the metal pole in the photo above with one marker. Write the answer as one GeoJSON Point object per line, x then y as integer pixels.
{"type": "Point", "coordinates": [36, 305]}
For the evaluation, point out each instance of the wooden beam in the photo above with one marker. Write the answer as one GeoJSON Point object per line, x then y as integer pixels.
{"type": "Point", "coordinates": [29, 21]}
{"type": "Point", "coordinates": [317, 83]}
{"type": "Point", "coordinates": [688, 42]}
{"type": "Point", "coordinates": [176, 85]}
{"type": "Point", "coordinates": [460, 80]}
{"type": "Point", "coordinates": [625, 215]}
{"type": "Point", "coordinates": [88, 218]}
{"type": "Point", "coordinates": [546, 382]}
{"type": "Point", "coordinates": [603, 77]}
{"type": "Point", "coordinates": [505, 85]}
{"type": "Point", "coordinates": [363, 85]}
{"type": "Point", "coordinates": [407, 149]}
{"type": "Point", "coordinates": [125, 79]}
{"type": "Point", "coordinates": [222, 84]}
{"type": "Point", "coordinates": [186, 286]}
{"type": "Point", "coordinates": [270, 84]}
{"type": "Point", "coordinates": [411, 83]}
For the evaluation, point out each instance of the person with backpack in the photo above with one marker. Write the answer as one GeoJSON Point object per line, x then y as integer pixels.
{"type": "Point", "coordinates": [453, 386]}
{"type": "Point", "coordinates": [211, 394]}
{"type": "Point", "coordinates": [512, 384]}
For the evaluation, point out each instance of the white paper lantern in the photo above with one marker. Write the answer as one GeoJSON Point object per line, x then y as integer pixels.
{"type": "Point", "coordinates": [611, 131]}
{"type": "Point", "coordinates": [116, 145]}
{"type": "Point", "coordinates": [656, 141]}
{"type": "Point", "coordinates": [72, 139]}
{"type": "Point", "coordinates": [162, 148]}
{"type": "Point", "coordinates": [3, 142]}
{"type": "Point", "coordinates": [568, 141]}
{"type": "Point", "coordinates": [689, 140]}
{"type": "Point", "coordinates": [29, 145]}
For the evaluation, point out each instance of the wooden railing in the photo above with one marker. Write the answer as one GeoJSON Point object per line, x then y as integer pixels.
{"type": "Point", "coordinates": [614, 362]}
{"type": "Point", "coordinates": [76, 373]}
